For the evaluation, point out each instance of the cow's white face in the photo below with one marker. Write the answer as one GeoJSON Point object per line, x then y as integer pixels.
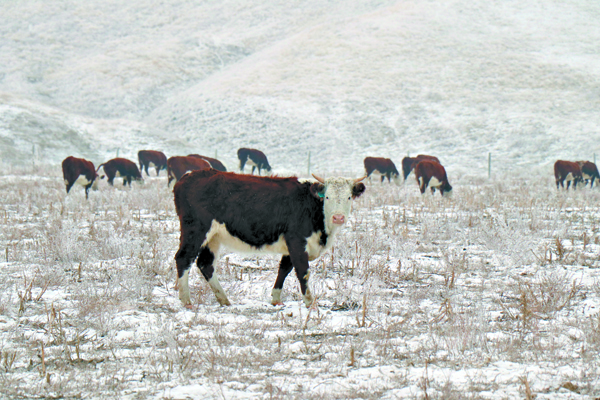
{"type": "Point", "coordinates": [397, 180]}
{"type": "Point", "coordinates": [338, 194]}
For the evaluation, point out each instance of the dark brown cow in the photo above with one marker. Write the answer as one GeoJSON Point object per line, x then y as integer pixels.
{"type": "Point", "coordinates": [409, 163]}
{"type": "Point", "coordinates": [80, 171]}
{"type": "Point", "coordinates": [567, 171]}
{"type": "Point", "coordinates": [152, 158]}
{"type": "Point", "coordinates": [214, 163]}
{"type": "Point", "coordinates": [589, 172]}
{"type": "Point", "coordinates": [258, 214]}
{"type": "Point", "coordinates": [177, 166]}
{"type": "Point", "coordinates": [383, 166]}
{"type": "Point", "coordinates": [121, 167]}
{"type": "Point", "coordinates": [432, 174]}
{"type": "Point", "coordinates": [255, 158]}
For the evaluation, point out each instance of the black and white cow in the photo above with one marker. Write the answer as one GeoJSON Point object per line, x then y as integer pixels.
{"type": "Point", "coordinates": [567, 171]}
{"type": "Point", "coordinates": [258, 214]}
{"type": "Point", "coordinates": [121, 167]}
{"type": "Point", "coordinates": [431, 174]}
{"type": "Point", "coordinates": [382, 166]}
{"type": "Point", "coordinates": [589, 172]}
{"type": "Point", "coordinates": [80, 171]}
{"type": "Point", "coordinates": [214, 163]}
{"type": "Point", "coordinates": [152, 158]}
{"type": "Point", "coordinates": [255, 158]}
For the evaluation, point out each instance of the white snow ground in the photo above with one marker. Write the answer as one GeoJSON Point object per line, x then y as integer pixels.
{"type": "Point", "coordinates": [487, 296]}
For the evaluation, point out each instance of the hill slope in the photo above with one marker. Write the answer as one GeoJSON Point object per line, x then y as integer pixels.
{"type": "Point", "coordinates": [342, 80]}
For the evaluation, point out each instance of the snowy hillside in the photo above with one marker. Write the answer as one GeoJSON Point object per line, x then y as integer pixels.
{"type": "Point", "coordinates": [343, 80]}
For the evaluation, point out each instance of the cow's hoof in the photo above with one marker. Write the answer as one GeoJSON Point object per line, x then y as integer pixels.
{"type": "Point", "coordinates": [277, 303]}
{"type": "Point", "coordinates": [189, 306]}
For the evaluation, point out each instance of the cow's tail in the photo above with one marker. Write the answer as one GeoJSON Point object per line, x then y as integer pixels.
{"type": "Point", "coordinates": [99, 166]}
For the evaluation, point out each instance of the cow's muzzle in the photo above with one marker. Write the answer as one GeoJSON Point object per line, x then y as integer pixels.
{"type": "Point", "coordinates": [338, 219]}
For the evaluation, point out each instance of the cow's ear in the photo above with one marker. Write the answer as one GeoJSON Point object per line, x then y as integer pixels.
{"type": "Point", "coordinates": [358, 189]}
{"type": "Point", "coordinates": [318, 190]}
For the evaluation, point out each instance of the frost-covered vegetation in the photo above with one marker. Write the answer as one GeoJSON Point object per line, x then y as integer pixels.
{"type": "Point", "coordinates": [492, 294]}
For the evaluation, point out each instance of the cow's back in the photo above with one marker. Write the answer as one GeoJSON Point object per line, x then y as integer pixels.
{"type": "Point", "coordinates": [429, 168]}
{"type": "Point", "coordinates": [256, 210]}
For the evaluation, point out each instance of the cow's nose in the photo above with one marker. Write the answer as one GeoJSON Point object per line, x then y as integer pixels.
{"type": "Point", "coordinates": [338, 219]}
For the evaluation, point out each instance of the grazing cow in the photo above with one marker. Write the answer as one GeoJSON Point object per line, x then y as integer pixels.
{"type": "Point", "coordinates": [567, 171]}
{"type": "Point", "coordinates": [80, 171]}
{"type": "Point", "coordinates": [255, 158]}
{"type": "Point", "coordinates": [214, 163]}
{"type": "Point", "coordinates": [589, 172]}
{"type": "Point", "coordinates": [409, 163]}
{"type": "Point", "coordinates": [121, 167]}
{"type": "Point", "coordinates": [177, 166]}
{"type": "Point", "coordinates": [152, 158]}
{"type": "Point", "coordinates": [432, 174]}
{"type": "Point", "coordinates": [258, 214]}
{"type": "Point", "coordinates": [383, 166]}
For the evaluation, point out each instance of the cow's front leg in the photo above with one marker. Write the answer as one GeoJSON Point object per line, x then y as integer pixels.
{"type": "Point", "coordinates": [299, 258]}
{"type": "Point", "coordinates": [285, 266]}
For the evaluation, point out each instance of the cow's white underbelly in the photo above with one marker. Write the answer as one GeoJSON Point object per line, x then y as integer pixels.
{"type": "Point", "coordinates": [569, 177]}
{"type": "Point", "coordinates": [218, 235]}
{"type": "Point", "coordinates": [586, 176]}
{"type": "Point", "coordinates": [434, 182]}
{"type": "Point", "coordinates": [81, 180]}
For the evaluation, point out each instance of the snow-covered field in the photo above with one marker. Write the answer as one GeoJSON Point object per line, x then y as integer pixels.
{"type": "Point", "coordinates": [493, 294]}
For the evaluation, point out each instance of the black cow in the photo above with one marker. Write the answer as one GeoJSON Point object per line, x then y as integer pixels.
{"type": "Point", "coordinates": [80, 171]}
{"type": "Point", "coordinates": [255, 158]}
{"type": "Point", "coordinates": [258, 214]}
{"type": "Point", "coordinates": [121, 167]}
{"type": "Point", "coordinates": [152, 158]}
{"type": "Point", "coordinates": [589, 172]}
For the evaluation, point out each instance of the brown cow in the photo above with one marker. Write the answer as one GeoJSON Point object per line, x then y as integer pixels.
{"type": "Point", "coordinates": [255, 158]}
{"type": "Point", "coordinates": [177, 166]}
{"type": "Point", "coordinates": [383, 166]}
{"type": "Point", "coordinates": [258, 214]}
{"type": "Point", "coordinates": [409, 163]}
{"type": "Point", "coordinates": [80, 171]}
{"type": "Point", "coordinates": [589, 172]}
{"type": "Point", "coordinates": [567, 171]}
{"type": "Point", "coordinates": [214, 163]}
{"type": "Point", "coordinates": [432, 174]}
{"type": "Point", "coordinates": [152, 158]}
{"type": "Point", "coordinates": [121, 167]}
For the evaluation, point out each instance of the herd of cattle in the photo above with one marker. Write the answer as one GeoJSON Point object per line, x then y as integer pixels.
{"type": "Point", "coordinates": [578, 171]}
{"type": "Point", "coordinates": [428, 170]}
{"type": "Point", "coordinates": [297, 219]}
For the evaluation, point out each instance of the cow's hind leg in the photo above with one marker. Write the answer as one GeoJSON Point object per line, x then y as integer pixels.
{"type": "Point", "coordinates": [188, 251]}
{"type": "Point", "coordinates": [285, 266]}
{"type": "Point", "coordinates": [205, 262]}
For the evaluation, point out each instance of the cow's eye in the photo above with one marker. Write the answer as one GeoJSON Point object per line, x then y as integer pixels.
{"type": "Point", "coordinates": [350, 198]}
{"type": "Point", "coordinates": [327, 197]}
